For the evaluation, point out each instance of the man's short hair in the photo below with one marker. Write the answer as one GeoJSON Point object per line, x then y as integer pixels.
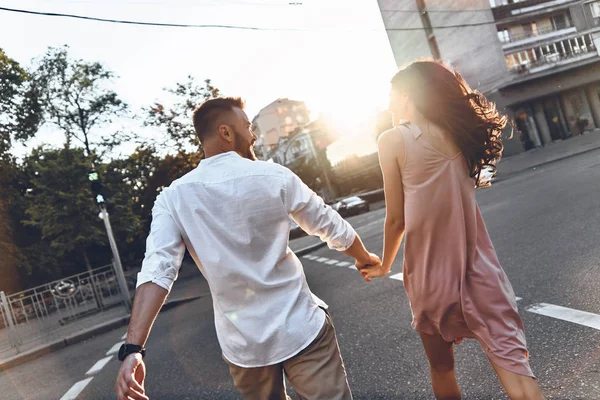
{"type": "Point", "coordinates": [207, 113]}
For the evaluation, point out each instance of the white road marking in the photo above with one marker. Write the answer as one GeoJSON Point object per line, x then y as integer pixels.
{"type": "Point", "coordinates": [124, 336]}
{"type": "Point", "coordinates": [114, 349]}
{"type": "Point", "coordinates": [307, 256]}
{"type": "Point", "coordinates": [519, 298]}
{"type": "Point", "coordinates": [344, 263]}
{"type": "Point", "coordinates": [330, 262]}
{"type": "Point", "coordinates": [398, 276]}
{"type": "Point", "coordinates": [567, 314]}
{"type": "Point", "coordinates": [99, 365]}
{"type": "Point", "coordinates": [76, 389]}
{"type": "Point", "coordinates": [322, 259]}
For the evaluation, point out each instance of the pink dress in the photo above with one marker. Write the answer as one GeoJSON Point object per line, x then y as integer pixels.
{"type": "Point", "coordinates": [453, 279]}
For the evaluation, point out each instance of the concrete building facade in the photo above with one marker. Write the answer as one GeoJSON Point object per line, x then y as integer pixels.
{"type": "Point", "coordinates": [551, 52]}
{"type": "Point", "coordinates": [537, 59]}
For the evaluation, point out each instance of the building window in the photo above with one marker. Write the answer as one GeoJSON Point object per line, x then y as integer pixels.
{"type": "Point", "coordinates": [288, 120]}
{"type": "Point", "coordinates": [504, 36]}
{"type": "Point", "coordinates": [299, 118]}
{"type": "Point", "coordinates": [560, 21]}
{"type": "Point", "coordinates": [595, 8]}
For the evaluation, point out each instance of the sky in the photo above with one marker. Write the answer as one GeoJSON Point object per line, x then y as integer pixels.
{"type": "Point", "coordinates": [332, 54]}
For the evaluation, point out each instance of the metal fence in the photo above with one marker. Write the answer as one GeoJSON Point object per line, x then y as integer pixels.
{"type": "Point", "coordinates": [51, 308]}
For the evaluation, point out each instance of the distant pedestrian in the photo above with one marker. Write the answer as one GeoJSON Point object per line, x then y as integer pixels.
{"type": "Point", "coordinates": [445, 134]}
{"type": "Point", "coordinates": [233, 215]}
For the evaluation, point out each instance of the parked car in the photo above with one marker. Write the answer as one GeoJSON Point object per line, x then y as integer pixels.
{"type": "Point", "coordinates": [351, 206]}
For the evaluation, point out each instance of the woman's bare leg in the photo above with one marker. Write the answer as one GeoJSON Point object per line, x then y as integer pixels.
{"type": "Point", "coordinates": [441, 366]}
{"type": "Point", "coordinates": [518, 387]}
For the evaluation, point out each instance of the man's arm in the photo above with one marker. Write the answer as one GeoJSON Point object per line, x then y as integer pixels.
{"type": "Point", "coordinates": [164, 254]}
{"type": "Point", "coordinates": [149, 299]}
{"type": "Point", "coordinates": [317, 218]}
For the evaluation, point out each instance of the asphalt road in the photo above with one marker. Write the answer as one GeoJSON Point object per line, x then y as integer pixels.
{"type": "Point", "coordinates": [545, 225]}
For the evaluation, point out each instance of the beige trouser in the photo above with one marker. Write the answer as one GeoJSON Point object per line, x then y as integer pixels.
{"type": "Point", "coordinates": [316, 373]}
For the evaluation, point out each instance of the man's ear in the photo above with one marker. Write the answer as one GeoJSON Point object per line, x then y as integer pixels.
{"type": "Point", "coordinates": [225, 133]}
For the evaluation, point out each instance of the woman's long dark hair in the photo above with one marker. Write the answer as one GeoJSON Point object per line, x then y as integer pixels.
{"type": "Point", "coordinates": [447, 100]}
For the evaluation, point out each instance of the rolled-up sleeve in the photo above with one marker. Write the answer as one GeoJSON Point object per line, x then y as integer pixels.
{"type": "Point", "coordinates": [164, 248]}
{"type": "Point", "coordinates": [314, 216]}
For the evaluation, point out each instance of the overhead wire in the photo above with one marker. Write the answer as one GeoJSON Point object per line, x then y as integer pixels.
{"type": "Point", "coordinates": [222, 26]}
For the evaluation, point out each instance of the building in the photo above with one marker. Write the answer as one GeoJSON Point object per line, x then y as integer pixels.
{"type": "Point", "coordinates": [277, 120]}
{"type": "Point", "coordinates": [537, 59]}
{"type": "Point", "coordinates": [461, 33]}
{"type": "Point", "coordinates": [551, 53]}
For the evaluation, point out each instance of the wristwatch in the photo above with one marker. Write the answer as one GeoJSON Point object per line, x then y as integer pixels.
{"type": "Point", "coordinates": [127, 349]}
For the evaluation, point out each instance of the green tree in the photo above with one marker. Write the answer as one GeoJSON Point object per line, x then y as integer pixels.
{"type": "Point", "coordinates": [19, 120]}
{"type": "Point", "coordinates": [77, 99]}
{"type": "Point", "coordinates": [59, 204]}
{"type": "Point", "coordinates": [175, 121]}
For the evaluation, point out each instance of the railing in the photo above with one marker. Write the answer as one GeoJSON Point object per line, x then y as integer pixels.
{"type": "Point", "coordinates": [47, 309]}
{"type": "Point", "coordinates": [536, 33]}
{"type": "Point", "coordinates": [562, 53]}
{"type": "Point", "coordinates": [503, 11]}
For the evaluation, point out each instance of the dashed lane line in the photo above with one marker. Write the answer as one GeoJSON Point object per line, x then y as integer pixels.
{"type": "Point", "coordinates": [398, 276]}
{"type": "Point", "coordinates": [99, 365]}
{"type": "Point", "coordinates": [115, 348]}
{"type": "Point", "coordinates": [76, 389]}
{"type": "Point", "coordinates": [567, 314]}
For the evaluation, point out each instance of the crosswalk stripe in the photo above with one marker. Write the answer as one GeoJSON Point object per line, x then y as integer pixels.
{"type": "Point", "coordinates": [323, 259]}
{"type": "Point", "coordinates": [114, 349]}
{"type": "Point", "coordinates": [99, 365]}
{"type": "Point", "coordinates": [343, 264]}
{"type": "Point", "coordinates": [76, 389]}
{"type": "Point", "coordinates": [398, 276]}
{"type": "Point", "coordinates": [330, 262]}
{"type": "Point", "coordinates": [567, 314]}
{"type": "Point", "coordinates": [307, 256]}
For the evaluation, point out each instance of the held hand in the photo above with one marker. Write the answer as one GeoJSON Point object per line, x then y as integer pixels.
{"type": "Point", "coordinates": [372, 259]}
{"type": "Point", "coordinates": [376, 271]}
{"type": "Point", "coordinates": [130, 380]}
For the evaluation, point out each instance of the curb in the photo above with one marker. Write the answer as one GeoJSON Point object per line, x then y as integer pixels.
{"type": "Point", "coordinates": [85, 334]}
{"type": "Point", "coordinates": [544, 163]}
{"type": "Point", "coordinates": [309, 249]}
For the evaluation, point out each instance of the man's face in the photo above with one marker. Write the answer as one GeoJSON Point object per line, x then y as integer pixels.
{"type": "Point", "coordinates": [244, 138]}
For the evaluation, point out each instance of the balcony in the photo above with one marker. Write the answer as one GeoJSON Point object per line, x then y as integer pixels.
{"type": "Point", "coordinates": [547, 56]}
{"type": "Point", "coordinates": [503, 11]}
{"type": "Point", "coordinates": [511, 41]}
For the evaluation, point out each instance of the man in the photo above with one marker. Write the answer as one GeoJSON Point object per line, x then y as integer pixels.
{"type": "Point", "coordinates": [232, 213]}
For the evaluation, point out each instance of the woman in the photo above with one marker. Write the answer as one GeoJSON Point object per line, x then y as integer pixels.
{"type": "Point", "coordinates": [431, 167]}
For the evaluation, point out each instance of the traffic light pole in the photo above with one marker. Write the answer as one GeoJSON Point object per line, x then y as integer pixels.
{"type": "Point", "coordinates": [116, 258]}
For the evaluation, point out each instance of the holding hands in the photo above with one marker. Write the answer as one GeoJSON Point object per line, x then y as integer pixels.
{"type": "Point", "coordinates": [371, 267]}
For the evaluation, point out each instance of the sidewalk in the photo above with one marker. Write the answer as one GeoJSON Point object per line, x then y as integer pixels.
{"type": "Point", "coordinates": [189, 286]}
{"type": "Point", "coordinates": [554, 151]}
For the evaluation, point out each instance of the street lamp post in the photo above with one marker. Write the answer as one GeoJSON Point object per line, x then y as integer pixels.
{"type": "Point", "coordinates": [96, 185]}
{"type": "Point", "coordinates": [116, 257]}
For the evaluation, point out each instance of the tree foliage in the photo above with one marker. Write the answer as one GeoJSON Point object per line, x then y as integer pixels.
{"type": "Point", "coordinates": [175, 121]}
{"type": "Point", "coordinates": [77, 99]}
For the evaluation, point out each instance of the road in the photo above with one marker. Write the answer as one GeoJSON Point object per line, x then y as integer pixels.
{"type": "Point", "coordinates": [545, 225]}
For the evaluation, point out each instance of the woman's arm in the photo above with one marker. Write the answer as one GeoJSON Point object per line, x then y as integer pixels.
{"type": "Point", "coordinates": [391, 156]}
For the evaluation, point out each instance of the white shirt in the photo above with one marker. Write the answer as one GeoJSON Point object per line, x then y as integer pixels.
{"type": "Point", "coordinates": [233, 216]}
